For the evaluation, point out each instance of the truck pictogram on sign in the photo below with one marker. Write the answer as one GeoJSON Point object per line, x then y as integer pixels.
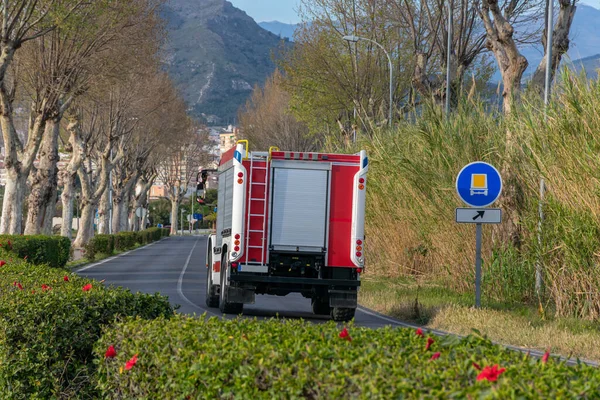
{"type": "Point", "coordinates": [479, 184]}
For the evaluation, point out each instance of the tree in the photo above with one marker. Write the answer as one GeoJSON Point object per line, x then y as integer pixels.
{"type": "Point", "coordinates": [23, 21]}
{"type": "Point", "coordinates": [500, 20]}
{"type": "Point", "coordinates": [267, 121]}
{"type": "Point", "coordinates": [179, 165]}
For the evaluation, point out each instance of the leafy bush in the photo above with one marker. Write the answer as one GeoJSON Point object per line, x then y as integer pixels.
{"type": "Point", "coordinates": [151, 235]}
{"type": "Point", "coordinates": [191, 358]}
{"type": "Point", "coordinates": [48, 327]}
{"type": "Point", "coordinates": [125, 240]}
{"type": "Point", "coordinates": [54, 251]}
{"type": "Point", "coordinates": [104, 244]}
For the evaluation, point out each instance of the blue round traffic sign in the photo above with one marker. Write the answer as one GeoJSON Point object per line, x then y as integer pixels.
{"type": "Point", "coordinates": [479, 184]}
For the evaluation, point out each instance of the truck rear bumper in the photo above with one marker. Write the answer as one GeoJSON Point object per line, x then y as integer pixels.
{"type": "Point", "coordinates": [293, 281]}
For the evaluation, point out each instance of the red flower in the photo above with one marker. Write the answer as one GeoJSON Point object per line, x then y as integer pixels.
{"type": "Point", "coordinates": [546, 357]}
{"type": "Point", "coordinates": [9, 244]}
{"type": "Point", "coordinates": [111, 352]}
{"type": "Point", "coordinates": [2, 263]}
{"type": "Point", "coordinates": [419, 332]}
{"type": "Point", "coordinates": [345, 335]}
{"type": "Point", "coordinates": [46, 287]}
{"type": "Point", "coordinates": [435, 356]}
{"type": "Point", "coordinates": [429, 343]}
{"type": "Point", "coordinates": [25, 258]}
{"type": "Point", "coordinates": [476, 366]}
{"type": "Point", "coordinates": [17, 284]}
{"type": "Point", "coordinates": [66, 278]}
{"type": "Point", "coordinates": [87, 287]}
{"type": "Point", "coordinates": [490, 373]}
{"type": "Point", "coordinates": [129, 364]}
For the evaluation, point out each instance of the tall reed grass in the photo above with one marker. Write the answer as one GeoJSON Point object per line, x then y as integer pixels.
{"type": "Point", "coordinates": [411, 198]}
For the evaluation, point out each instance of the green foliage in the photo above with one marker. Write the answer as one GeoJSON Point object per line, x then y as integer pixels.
{"type": "Point", "coordinates": [54, 251]}
{"type": "Point", "coordinates": [126, 240]}
{"type": "Point", "coordinates": [107, 244]}
{"type": "Point", "coordinates": [213, 358]}
{"type": "Point", "coordinates": [47, 335]}
{"type": "Point", "coordinates": [103, 244]}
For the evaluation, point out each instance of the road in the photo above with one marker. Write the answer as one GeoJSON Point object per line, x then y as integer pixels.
{"type": "Point", "coordinates": [176, 267]}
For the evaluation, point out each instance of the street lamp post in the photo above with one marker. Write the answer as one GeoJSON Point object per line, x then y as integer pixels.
{"type": "Point", "coordinates": [354, 39]}
{"type": "Point", "coordinates": [77, 208]}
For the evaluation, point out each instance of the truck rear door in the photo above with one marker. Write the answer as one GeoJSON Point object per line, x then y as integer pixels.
{"type": "Point", "coordinates": [300, 206]}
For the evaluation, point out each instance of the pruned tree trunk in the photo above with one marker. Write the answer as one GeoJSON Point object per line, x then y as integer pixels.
{"type": "Point", "coordinates": [104, 213]}
{"type": "Point", "coordinates": [44, 181]}
{"type": "Point", "coordinates": [500, 41]}
{"type": "Point", "coordinates": [12, 207]}
{"type": "Point", "coordinates": [174, 216]}
{"type": "Point", "coordinates": [86, 225]}
{"type": "Point", "coordinates": [140, 202]}
{"type": "Point", "coordinates": [69, 174]}
{"type": "Point", "coordinates": [560, 44]}
{"type": "Point", "coordinates": [48, 220]}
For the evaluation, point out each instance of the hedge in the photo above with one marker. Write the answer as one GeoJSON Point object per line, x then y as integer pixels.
{"type": "Point", "coordinates": [49, 323]}
{"type": "Point", "coordinates": [54, 251]}
{"type": "Point", "coordinates": [122, 241]}
{"type": "Point", "coordinates": [191, 358]}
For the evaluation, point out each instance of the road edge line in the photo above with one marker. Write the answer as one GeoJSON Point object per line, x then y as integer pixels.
{"type": "Point", "coordinates": [117, 256]}
{"type": "Point", "coordinates": [180, 282]}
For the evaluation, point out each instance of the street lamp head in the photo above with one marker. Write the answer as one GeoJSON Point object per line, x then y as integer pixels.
{"type": "Point", "coordinates": [351, 38]}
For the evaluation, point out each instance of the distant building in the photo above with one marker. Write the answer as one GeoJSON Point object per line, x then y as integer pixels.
{"type": "Point", "coordinates": [228, 138]}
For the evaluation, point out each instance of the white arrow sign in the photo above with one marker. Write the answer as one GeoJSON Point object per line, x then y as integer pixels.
{"type": "Point", "coordinates": [478, 215]}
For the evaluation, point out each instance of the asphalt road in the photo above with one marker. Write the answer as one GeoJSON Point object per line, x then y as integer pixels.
{"type": "Point", "coordinates": [176, 267]}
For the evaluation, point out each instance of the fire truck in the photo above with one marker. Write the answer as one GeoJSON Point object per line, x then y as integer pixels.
{"type": "Point", "coordinates": [288, 222]}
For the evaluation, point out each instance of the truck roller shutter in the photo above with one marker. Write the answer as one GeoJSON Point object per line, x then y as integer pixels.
{"type": "Point", "coordinates": [300, 206]}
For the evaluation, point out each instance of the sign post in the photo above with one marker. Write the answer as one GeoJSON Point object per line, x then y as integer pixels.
{"type": "Point", "coordinates": [479, 185]}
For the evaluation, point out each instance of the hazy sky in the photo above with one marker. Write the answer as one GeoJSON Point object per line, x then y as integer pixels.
{"type": "Point", "coordinates": [285, 10]}
{"type": "Point", "coordinates": [271, 10]}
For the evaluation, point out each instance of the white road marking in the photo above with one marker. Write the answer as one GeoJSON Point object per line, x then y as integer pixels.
{"type": "Point", "coordinates": [180, 283]}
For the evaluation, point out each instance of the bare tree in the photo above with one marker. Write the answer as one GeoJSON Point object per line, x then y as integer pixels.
{"type": "Point", "coordinates": [267, 120]}
{"type": "Point", "coordinates": [179, 166]}
{"type": "Point", "coordinates": [500, 20]}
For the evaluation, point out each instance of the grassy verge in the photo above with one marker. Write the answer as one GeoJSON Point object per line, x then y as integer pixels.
{"type": "Point", "coordinates": [437, 307]}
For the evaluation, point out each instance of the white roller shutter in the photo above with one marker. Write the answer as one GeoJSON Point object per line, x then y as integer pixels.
{"type": "Point", "coordinates": [300, 206]}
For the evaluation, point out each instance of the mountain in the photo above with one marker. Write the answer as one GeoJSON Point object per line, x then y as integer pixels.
{"type": "Point", "coordinates": [216, 54]}
{"type": "Point", "coordinates": [280, 29]}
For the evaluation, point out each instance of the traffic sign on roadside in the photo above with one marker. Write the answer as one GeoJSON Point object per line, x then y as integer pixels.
{"type": "Point", "coordinates": [478, 215]}
{"type": "Point", "coordinates": [479, 184]}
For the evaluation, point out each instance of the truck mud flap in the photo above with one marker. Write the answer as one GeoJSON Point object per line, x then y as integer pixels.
{"type": "Point", "coordinates": [240, 295]}
{"type": "Point", "coordinates": [343, 298]}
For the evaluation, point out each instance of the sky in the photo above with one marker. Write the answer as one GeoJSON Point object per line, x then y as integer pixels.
{"type": "Point", "coordinates": [273, 10]}
{"type": "Point", "coordinates": [285, 10]}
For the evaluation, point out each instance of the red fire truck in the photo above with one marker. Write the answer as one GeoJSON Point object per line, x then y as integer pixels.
{"type": "Point", "coordinates": [288, 222]}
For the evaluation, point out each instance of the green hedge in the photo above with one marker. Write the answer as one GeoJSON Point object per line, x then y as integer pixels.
{"type": "Point", "coordinates": [47, 335]}
{"type": "Point", "coordinates": [100, 244]}
{"type": "Point", "coordinates": [125, 240]}
{"type": "Point", "coordinates": [191, 358]}
{"type": "Point", "coordinates": [54, 251]}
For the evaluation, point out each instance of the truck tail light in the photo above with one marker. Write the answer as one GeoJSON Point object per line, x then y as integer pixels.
{"type": "Point", "coordinates": [237, 242]}
{"type": "Point", "coordinates": [237, 236]}
{"type": "Point", "coordinates": [359, 242]}
{"type": "Point", "coordinates": [237, 248]}
{"type": "Point", "coordinates": [240, 181]}
{"type": "Point", "coordinates": [234, 265]}
{"type": "Point", "coordinates": [361, 186]}
{"type": "Point", "coordinates": [358, 254]}
{"type": "Point", "coordinates": [358, 248]}
{"type": "Point", "coordinates": [361, 180]}
{"type": "Point", "coordinates": [240, 175]}
{"type": "Point", "coordinates": [359, 270]}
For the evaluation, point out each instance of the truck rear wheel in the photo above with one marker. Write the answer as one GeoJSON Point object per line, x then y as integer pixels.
{"type": "Point", "coordinates": [342, 314]}
{"type": "Point", "coordinates": [225, 306]}
{"type": "Point", "coordinates": [320, 306]}
{"type": "Point", "coordinates": [212, 299]}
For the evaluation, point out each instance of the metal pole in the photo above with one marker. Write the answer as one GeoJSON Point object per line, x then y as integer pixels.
{"type": "Point", "coordinates": [478, 266]}
{"type": "Point", "coordinates": [448, 57]}
{"type": "Point", "coordinates": [181, 221]}
{"type": "Point", "coordinates": [550, 29]}
{"type": "Point", "coordinates": [192, 219]}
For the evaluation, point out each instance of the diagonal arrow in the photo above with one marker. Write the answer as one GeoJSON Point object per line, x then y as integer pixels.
{"type": "Point", "coordinates": [479, 215]}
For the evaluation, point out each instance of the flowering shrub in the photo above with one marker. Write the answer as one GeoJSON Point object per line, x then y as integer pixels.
{"type": "Point", "coordinates": [49, 323]}
{"type": "Point", "coordinates": [38, 249]}
{"type": "Point", "coordinates": [202, 358]}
